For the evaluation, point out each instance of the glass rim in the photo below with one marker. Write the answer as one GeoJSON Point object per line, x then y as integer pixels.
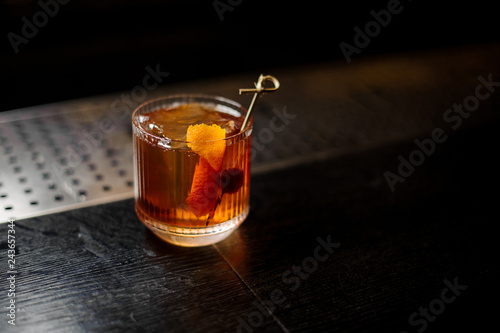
{"type": "Point", "coordinates": [214, 98]}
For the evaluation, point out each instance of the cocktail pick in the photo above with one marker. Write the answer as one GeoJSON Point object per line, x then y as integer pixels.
{"type": "Point", "coordinates": [259, 89]}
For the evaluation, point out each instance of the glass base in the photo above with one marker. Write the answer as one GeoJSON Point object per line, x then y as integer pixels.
{"type": "Point", "coordinates": [192, 237]}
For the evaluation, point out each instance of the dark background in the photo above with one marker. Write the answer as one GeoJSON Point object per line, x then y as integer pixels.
{"type": "Point", "coordinates": [96, 47]}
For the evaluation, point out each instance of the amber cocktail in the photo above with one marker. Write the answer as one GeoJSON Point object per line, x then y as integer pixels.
{"type": "Point", "coordinates": [191, 167]}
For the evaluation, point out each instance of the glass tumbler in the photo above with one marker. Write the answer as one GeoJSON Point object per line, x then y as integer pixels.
{"type": "Point", "coordinates": [191, 192]}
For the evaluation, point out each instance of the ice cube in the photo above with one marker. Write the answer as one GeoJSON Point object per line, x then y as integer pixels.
{"type": "Point", "coordinates": [230, 127]}
{"type": "Point", "coordinates": [155, 129]}
{"type": "Point", "coordinates": [190, 114]}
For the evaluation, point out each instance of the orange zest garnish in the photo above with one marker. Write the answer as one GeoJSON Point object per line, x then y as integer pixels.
{"type": "Point", "coordinates": [204, 190]}
{"type": "Point", "coordinates": [206, 141]}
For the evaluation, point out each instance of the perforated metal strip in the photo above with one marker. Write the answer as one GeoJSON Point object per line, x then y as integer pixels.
{"type": "Point", "coordinates": [56, 158]}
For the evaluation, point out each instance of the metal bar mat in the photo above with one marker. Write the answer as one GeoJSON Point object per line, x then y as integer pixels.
{"type": "Point", "coordinates": [54, 159]}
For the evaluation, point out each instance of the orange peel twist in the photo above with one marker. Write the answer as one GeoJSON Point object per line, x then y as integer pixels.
{"type": "Point", "coordinates": [206, 141]}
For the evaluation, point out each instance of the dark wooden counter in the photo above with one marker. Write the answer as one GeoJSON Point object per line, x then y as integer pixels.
{"type": "Point", "coordinates": [327, 247]}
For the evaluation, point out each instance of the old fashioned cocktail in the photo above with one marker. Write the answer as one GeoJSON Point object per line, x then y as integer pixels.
{"type": "Point", "coordinates": [192, 167]}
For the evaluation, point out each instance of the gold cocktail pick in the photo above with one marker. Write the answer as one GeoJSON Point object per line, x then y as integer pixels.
{"type": "Point", "coordinates": [259, 89]}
